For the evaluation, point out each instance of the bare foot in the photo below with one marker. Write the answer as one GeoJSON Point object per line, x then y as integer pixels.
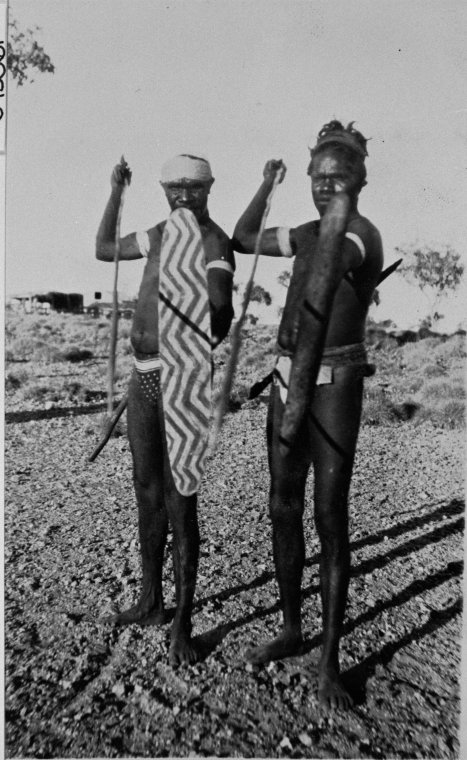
{"type": "Point", "coordinates": [331, 692]}
{"type": "Point", "coordinates": [285, 645]}
{"type": "Point", "coordinates": [140, 614]}
{"type": "Point", "coordinates": [183, 651]}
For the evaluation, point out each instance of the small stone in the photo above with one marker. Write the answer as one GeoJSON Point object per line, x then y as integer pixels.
{"type": "Point", "coordinates": [305, 739]}
{"type": "Point", "coordinates": [118, 689]}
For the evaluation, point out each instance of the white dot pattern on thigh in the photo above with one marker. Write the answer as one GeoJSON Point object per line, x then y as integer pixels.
{"type": "Point", "coordinates": [150, 385]}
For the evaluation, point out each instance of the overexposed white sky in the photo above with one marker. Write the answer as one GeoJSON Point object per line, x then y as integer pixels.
{"type": "Point", "coordinates": [240, 81]}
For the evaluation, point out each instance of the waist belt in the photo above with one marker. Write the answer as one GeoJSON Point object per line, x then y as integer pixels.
{"type": "Point", "coordinates": [333, 357]}
{"type": "Point", "coordinates": [342, 356]}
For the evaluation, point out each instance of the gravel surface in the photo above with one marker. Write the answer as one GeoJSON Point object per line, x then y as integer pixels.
{"type": "Point", "coordinates": [76, 687]}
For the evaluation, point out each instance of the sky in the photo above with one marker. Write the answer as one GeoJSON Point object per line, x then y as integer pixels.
{"type": "Point", "coordinates": [240, 81]}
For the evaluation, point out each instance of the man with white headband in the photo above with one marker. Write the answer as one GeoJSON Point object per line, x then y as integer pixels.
{"type": "Point", "coordinates": [184, 310]}
{"type": "Point", "coordinates": [340, 256]}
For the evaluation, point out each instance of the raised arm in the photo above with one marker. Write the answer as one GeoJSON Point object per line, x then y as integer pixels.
{"type": "Point", "coordinates": [247, 227]}
{"type": "Point", "coordinates": [105, 239]}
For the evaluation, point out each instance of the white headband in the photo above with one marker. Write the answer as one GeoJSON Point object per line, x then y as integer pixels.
{"type": "Point", "coordinates": [186, 167]}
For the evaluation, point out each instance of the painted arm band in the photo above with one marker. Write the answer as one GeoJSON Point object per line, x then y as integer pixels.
{"type": "Point", "coordinates": [220, 264]}
{"type": "Point", "coordinates": [283, 241]}
{"type": "Point", "coordinates": [142, 239]}
{"type": "Point", "coordinates": [358, 242]}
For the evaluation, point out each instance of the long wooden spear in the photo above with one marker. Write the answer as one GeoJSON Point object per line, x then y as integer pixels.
{"type": "Point", "coordinates": [114, 323]}
{"type": "Point", "coordinates": [224, 396]}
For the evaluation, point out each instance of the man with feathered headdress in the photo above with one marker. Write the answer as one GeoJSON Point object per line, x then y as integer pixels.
{"type": "Point", "coordinates": [338, 260]}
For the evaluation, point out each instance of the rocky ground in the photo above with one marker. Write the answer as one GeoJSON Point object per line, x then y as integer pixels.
{"type": "Point", "coordinates": [76, 687]}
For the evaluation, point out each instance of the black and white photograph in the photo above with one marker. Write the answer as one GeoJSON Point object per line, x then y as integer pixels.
{"type": "Point", "coordinates": [234, 365]}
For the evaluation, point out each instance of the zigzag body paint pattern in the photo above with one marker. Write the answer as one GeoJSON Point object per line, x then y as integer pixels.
{"type": "Point", "coordinates": [185, 349]}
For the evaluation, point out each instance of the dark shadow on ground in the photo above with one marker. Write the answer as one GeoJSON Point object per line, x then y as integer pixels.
{"type": "Point", "coordinates": [64, 411]}
{"type": "Point", "coordinates": [455, 507]}
{"type": "Point", "coordinates": [356, 678]}
{"type": "Point", "coordinates": [211, 639]}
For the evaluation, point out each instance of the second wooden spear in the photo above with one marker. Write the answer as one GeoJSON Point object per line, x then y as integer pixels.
{"type": "Point", "coordinates": [224, 396]}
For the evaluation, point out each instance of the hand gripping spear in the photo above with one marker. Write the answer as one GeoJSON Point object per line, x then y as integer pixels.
{"type": "Point", "coordinates": [224, 396]}
{"type": "Point", "coordinates": [114, 324]}
{"type": "Point", "coordinates": [111, 418]}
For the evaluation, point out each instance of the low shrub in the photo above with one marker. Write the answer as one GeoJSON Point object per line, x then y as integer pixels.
{"type": "Point", "coordinates": [378, 408]}
{"type": "Point", "coordinates": [441, 389]}
{"type": "Point", "coordinates": [38, 392]}
{"type": "Point", "coordinates": [433, 370]}
{"type": "Point", "coordinates": [15, 380]}
{"type": "Point", "coordinates": [74, 354]}
{"type": "Point", "coordinates": [46, 352]}
{"type": "Point", "coordinates": [449, 413]}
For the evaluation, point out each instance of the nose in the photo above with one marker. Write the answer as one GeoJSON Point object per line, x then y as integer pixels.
{"type": "Point", "coordinates": [328, 185]}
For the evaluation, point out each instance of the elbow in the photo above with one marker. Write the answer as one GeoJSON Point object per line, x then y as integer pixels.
{"type": "Point", "coordinates": [242, 241]}
{"type": "Point", "coordinates": [104, 251]}
{"type": "Point", "coordinates": [221, 319]}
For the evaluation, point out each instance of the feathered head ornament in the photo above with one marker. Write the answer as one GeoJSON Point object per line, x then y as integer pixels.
{"type": "Point", "coordinates": [335, 132]}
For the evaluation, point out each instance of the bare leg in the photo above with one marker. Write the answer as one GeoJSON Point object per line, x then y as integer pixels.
{"type": "Point", "coordinates": [336, 413]}
{"type": "Point", "coordinates": [184, 521]}
{"type": "Point", "coordinates": [146, 446]}
{"type": "Point", "coordinates": [288, 478]}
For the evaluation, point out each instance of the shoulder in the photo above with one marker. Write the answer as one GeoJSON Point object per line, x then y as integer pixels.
{"type": "Point", "coordinates": [218, 245]}
{"type": "Point", "coordinates": [366, 230]}
{"type": "Point", "coordinates": [210, 228]}
{"type": "Point", "coordinates": [366, 237]}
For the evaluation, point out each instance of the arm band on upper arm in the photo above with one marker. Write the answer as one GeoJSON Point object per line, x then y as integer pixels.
{"type": "Point", "coordinates": [283, 241]}
{"type": "Point", "coordinates": [142, 239]}
{"type": "Point", "coordinates": [220, 264]}
{"type": "Point", "coordinates": [358, 242]}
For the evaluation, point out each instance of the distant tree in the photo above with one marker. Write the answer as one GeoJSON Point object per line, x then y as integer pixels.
{"type": "Point", "coordinates": [260, 295]}
{"type": "Point", "coordinates": [252, 319]}
{"type": "Point", "coordinates": [284, 278]}
{"type": "Point", "coordinates": [437, 272]}
{"type": "Point", "coordinates": [25, 54]}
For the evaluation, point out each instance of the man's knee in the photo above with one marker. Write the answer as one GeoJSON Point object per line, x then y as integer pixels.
{"type": "Point", "coordinates": [331, 522]}
{"type": "Point", "coordinates": [285, 505]}
{"type": "Point", "coordinates": [183, 516]}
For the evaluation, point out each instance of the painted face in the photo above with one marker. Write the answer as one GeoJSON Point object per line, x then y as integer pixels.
{"type": "Point", "coordinates": [332, 174]}
{"type": "Point", "coordinates": [188, 193]}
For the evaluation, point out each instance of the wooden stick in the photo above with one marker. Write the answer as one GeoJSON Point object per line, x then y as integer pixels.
{"type": "Point", "coordinates": [114, 323]}
{"type": "Point", "coordinates": [224, 396]}
{"type": "Point", "coordinates": [389, 270]}
{"type": "Point", "coordinates": [110, 426]}
{"type": "Point", "coordinates": [322, 281]}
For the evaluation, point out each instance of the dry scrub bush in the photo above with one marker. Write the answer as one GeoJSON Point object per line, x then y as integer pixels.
{"type": "Point", "coordinates": [378, 408]}
{"type": "Point", "coordinates": [32, 337]}
{"type": "Point", "coordinates": [14, 380]}
{"type": "Point", "coordinates": [39, 392]}
{"type": "Point", "coordinates": [433, 370]}
{"type": "Point", "coordinates": [421, 381]}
